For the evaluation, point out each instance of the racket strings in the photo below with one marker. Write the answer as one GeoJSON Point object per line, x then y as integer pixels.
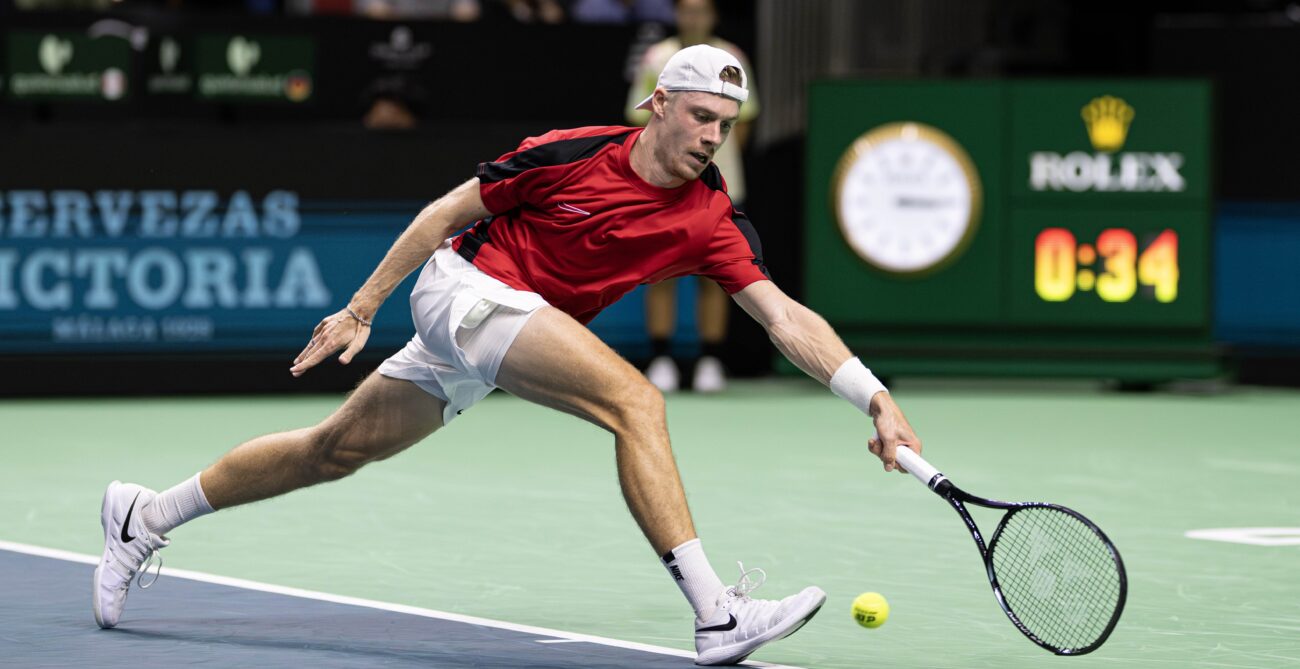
{"type": "Point", "coordinates": [1058, 576]}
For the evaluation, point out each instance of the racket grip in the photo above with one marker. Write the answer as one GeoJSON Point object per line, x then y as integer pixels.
{"type": "Point", "coordinates": [917, 466]}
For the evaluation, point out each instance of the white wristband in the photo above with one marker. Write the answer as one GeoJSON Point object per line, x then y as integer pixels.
{"type": "Point", "coordinates": [855, 383]}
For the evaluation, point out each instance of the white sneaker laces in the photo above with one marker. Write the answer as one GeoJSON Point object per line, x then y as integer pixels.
{"type": "Point", "coordinates": [744, 586]}
{"type": "Point", "coordinates": [144, 569]}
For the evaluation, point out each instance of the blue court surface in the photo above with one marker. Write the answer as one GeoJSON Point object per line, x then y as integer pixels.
{"type": "Point", "coordinates": [205, 620]}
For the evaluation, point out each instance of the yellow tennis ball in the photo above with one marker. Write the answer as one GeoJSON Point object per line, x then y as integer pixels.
{"type": "Point", "coordinates": [870, 610]}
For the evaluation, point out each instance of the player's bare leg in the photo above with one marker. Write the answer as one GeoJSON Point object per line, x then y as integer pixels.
{"type": "Point", "coordinates": [381, 418]}
{"type": "Point", "coordinates": [558, 363]}
{"type": "Point", "coordinates": [660, 322]}
{"type": "Point", "coordinates": [661, 308]}
{"type": "Point", "coordinates": [711, 310]}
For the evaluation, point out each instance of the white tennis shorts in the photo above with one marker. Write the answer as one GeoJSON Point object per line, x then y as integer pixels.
{"type": "Point", "coordinates": [465, 321]}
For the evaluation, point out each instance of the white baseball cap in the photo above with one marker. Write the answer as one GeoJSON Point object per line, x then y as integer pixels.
{"type": "Point", "coordinates": [699, 68]}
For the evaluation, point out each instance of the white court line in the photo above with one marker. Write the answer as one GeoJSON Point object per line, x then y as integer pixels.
{"type": "Point", "coordinates": [1253, 536]}
{"type": "Point", "coordinates": [562, 636]}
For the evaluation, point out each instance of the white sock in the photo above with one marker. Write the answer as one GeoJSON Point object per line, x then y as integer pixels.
{"type": "Point", "coordinates": [178, 504]}
{"type": "Point", "coordinates": [690, 568]}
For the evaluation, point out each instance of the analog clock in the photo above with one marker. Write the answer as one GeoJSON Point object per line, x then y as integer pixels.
{"type": "Point", "coordinates": [907, 198]}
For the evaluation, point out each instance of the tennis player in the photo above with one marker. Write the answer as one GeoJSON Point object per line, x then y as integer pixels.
{"type": "Point", "coordinates": [565, 225]}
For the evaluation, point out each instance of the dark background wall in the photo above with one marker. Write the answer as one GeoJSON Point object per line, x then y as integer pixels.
{"type": "Point", "coordinates": [480, 87]}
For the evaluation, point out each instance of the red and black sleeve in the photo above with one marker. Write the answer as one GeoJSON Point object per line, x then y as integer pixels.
{"type": "Point", "coordinates": [512, 179]}
{"type": "Point", "coordinates": [734, 256]}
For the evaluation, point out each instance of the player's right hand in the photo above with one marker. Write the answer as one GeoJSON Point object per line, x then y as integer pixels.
{"type": "Point", "coordinates": [892, 432]}
{"type": "Point", "coordinates": [333, 333]}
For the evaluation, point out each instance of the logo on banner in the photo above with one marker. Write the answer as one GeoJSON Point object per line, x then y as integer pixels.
{"type": "Point", "coordinates": [1107, 119]}
{"type": "Point", "coordinates": [401, 51]}
{"type": "Point", "coordinates": [67, 65]}
{"type": "Point", "coordinates": [170, 77]}
{"type": "Point", "coordinates": [242, 55]}
{"type": "Point", "coordinates": [169, 54]}
{"type": "Point", "coordinates": [54, 54]}
{"type": "Point", "coordinates": [270, 68]}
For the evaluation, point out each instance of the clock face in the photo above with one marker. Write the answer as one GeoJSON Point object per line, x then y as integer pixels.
{"type": "Point", "coordinates": [907, 198]}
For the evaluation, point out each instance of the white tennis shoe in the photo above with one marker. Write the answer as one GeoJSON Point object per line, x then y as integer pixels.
{"type": "Point", "coordinates": [127, 546]}
{"type": "Point", "coordinates": [740, 625]}
{"type": "Point", "coordinates": [710, 376]}
{"type": "Point", "coordinates": [663, 373]}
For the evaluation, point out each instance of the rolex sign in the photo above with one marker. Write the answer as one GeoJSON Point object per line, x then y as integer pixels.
{"type": "Point", "coordinates": [1086, 140]}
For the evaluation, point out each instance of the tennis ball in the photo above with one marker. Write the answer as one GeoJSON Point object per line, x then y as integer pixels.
{"type": "Point", "coordinates": [870, 610]}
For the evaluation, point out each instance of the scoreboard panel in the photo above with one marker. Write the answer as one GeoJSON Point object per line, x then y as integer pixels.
{"type": "Point", "coordinates": [1054, 227]}
{"type": "Point", "coordinates": [1109, 269]}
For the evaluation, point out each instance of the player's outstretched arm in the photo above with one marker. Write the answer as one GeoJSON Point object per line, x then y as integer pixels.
{"type": "Point", "coordinates": [350, 327]}
{"type": "Point", "coordinates": [812, 345]}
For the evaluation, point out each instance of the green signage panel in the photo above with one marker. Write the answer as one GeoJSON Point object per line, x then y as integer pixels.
{"type": "Point", "coordinates": [899, 212]}
{"type": "Point", "coordinates": [1051, 227]}
{"type": "Point", "coordinates": [254, 68]}
{"type": "Point", "coordinates": [67, 66]}
{"type": "Point", "coordinates": [169, 66]}
{"type": "Point", "coordinates": [1099, 143]}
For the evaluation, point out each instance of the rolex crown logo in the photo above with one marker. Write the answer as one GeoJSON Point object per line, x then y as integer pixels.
{"type": "Point", "coordinates": [1107, 118]}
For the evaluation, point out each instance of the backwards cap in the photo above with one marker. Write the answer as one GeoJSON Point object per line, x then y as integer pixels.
{"type": "Point", "coordinates": [699, 68]}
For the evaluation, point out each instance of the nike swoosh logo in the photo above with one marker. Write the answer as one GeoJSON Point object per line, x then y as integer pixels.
{"type": "Point", "coordinates": [730, 625]}
{"type": "Point", "coordinates": [572, 209]}
{"type": "Point", "coordinates": [127, 523]}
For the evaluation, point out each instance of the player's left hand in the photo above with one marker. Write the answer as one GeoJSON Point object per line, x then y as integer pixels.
{"type": "Point", "coordinates": [333, 333]}
{"type": "Point", "coordinates": [892, 432]}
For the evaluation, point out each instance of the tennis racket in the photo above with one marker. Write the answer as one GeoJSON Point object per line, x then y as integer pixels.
{"type": "Point", "coordinates": [1054, 573]}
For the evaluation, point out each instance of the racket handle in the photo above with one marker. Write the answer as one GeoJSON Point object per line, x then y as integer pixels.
{"type": "Point", "coordinates": [918, 467]}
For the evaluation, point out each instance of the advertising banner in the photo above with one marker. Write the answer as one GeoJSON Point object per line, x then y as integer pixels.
{"type": "Point", "coordinates": [126, 271]}
{"type": "Point", "coordinates": [1110, 142]}
{"type": "Point", "coordinates": [169, 66]}
{"type": "Point", "coordinates": [255, 68]}
{"type": "Point", "coordinates": [67, 66]}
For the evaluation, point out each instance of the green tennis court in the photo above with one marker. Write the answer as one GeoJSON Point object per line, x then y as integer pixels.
{"type": "Point", "coordinates": [513, 514]}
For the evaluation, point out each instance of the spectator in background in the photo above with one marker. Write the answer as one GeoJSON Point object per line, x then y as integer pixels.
{"type": "Point", "coordinates": [55, 5]}
{"type": "Point", "coordinates": [530, 11]}
{"type": "Point", "coordinates": [695, 22]}
{"type": "Point", "coordinates": [456, 10]}
{"type": "Point", "coordinates": [393, 103]}
{"type": "Point", "coordinates": [622, 11]}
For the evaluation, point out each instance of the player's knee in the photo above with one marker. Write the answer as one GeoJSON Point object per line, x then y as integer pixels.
{"type": "Point", "coordinates": [639, 406]}
{"type": "Point", "coordinates": [333, 456]}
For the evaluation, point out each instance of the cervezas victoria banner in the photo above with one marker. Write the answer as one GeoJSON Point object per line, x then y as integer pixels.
{"type": "Point", "coordinates": [147, 270]}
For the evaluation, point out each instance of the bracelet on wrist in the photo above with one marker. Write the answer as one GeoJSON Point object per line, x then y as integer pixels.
{"type": "Point", "coordinates": [355, 317]}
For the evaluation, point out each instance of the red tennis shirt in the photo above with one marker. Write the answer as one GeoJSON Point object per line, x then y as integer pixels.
{"type": "Point", "coordinates": [573, 223]}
